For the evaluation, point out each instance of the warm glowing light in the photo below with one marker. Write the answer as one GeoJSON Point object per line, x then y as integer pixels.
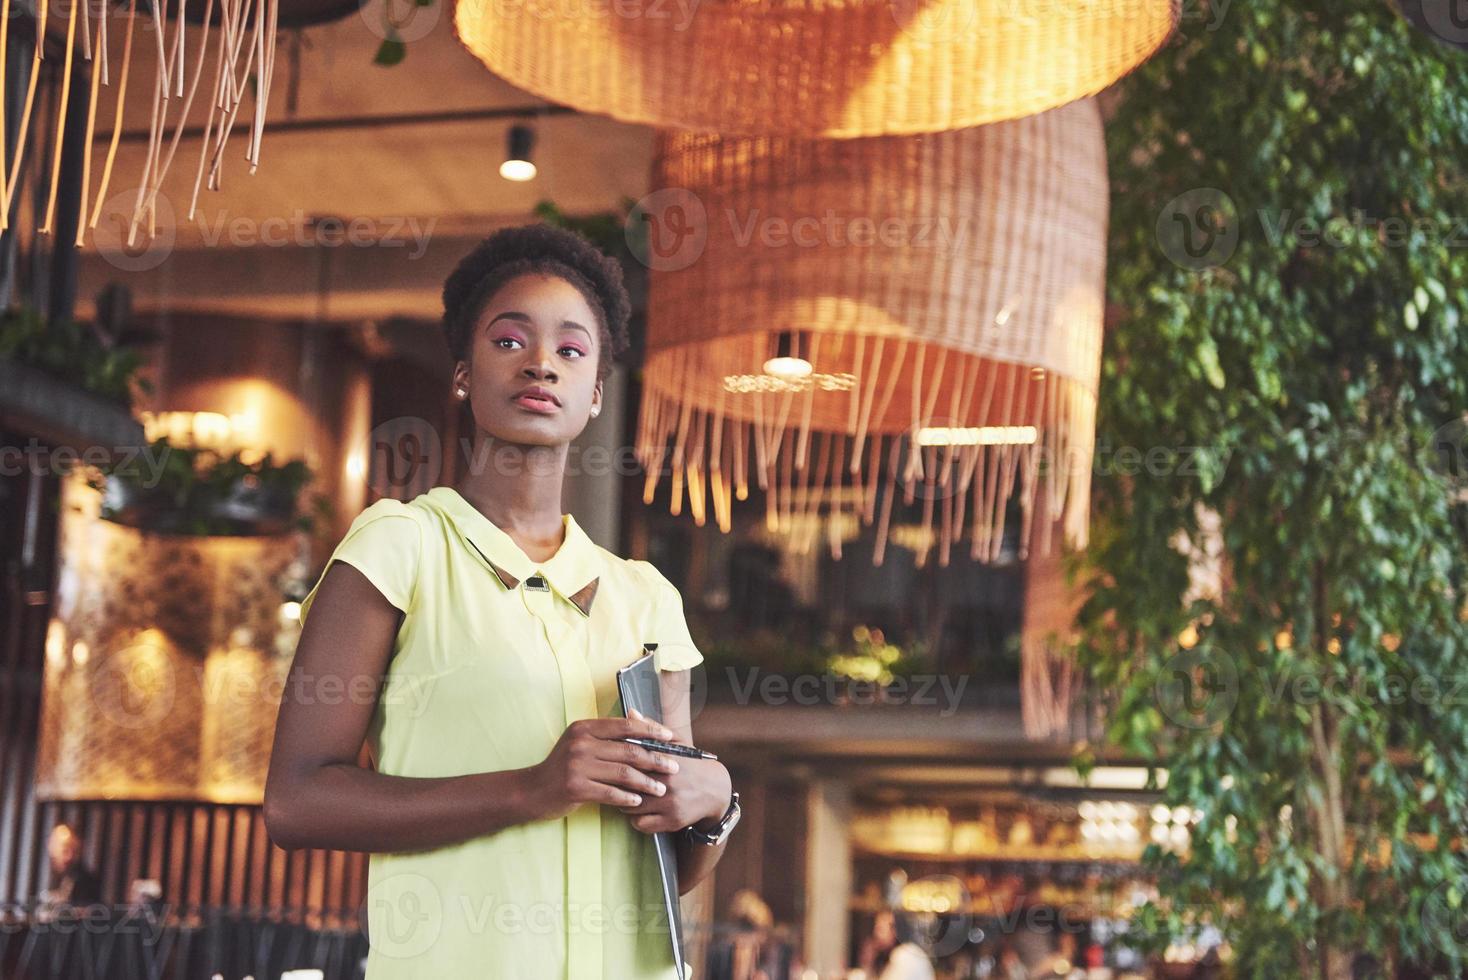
{"type": "Point", "coordinates": [747, 383]}
{"type": "Point", "coordinates": [56, 643]}
{"type": "Point", "coordinates": [356, 466]}
{"type": "Point", "coordinates": [987, 435]}
{"type": "Point", "coordinates": [80, 653]}
{"type": "Point", "coordinates": [1188, 638]}
{"type": "Point", "coordinates": [1334, 645]}
{"type": "Point", "coordinates": [517, 170]}
{"type": "Point", "coordinates": [290, 611]}
{"type": "Point", "coordinates": [788, 367]}
{"type": "Point", "coordinates": [1390, 642]}
{"type": "Point", "coordinates": [1283, 640]}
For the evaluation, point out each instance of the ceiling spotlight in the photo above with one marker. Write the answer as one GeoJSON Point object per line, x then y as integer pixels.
{"type": "Point", "coordinates": [517, 166]}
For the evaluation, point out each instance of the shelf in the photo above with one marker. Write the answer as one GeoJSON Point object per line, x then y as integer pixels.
{"type": "Point", "coordinates": [33, 403]}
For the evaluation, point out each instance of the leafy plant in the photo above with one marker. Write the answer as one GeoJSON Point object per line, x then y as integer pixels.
{"type": "Point", "coordinates": [71, 351]}
{"type": "Point", "coordinates": [607, 230]}
{"type": "Point", "coordinates": [1290, 196]}
{"type": "Point", "coordinates": [188, 490]}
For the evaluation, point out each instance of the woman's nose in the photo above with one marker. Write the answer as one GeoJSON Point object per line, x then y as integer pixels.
{"type": "Point", "coordinates": [540, 364]}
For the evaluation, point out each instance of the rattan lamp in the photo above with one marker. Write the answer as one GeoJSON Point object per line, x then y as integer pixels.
{"type": "Point", "coordinates": [813, 68]}
{"type": "Point", "coordinates": [945, 293]}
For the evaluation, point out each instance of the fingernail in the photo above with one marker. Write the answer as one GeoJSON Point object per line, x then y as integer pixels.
{"type": "Point", "coordinates": [661, 788]}
{"type": "Point", "coordinates": [636, 800]}
{"type": "Point", "coordinates": [667, 733]}
{"type": "Point", "coordinates": [672, 766]}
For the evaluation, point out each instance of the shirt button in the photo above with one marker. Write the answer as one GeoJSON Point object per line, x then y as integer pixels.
{"type": "Point", "coordinates": [536, 583]}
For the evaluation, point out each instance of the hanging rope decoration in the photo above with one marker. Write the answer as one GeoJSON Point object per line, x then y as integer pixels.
{"type": "Point", "coordinates": [813, 68]}
{"type": "Point", "coordinates": [246, 43]}
{"type": "Point", "coordinates": [946, 292]}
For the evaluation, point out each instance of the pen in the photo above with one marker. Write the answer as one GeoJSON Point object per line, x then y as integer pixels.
{"type": "Point", "coordinates": [672, 748]}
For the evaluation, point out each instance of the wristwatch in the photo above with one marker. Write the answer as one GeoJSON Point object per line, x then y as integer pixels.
{"type": "Point", "coordinates": [720, 833]}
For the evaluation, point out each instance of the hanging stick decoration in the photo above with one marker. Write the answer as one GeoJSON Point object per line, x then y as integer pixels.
{"type": "Point", "coordinates": [246, 28]}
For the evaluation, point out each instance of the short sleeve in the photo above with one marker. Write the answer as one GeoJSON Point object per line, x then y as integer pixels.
{"type": "Point", "coordinates": [384, 544]}
{"type": "Point", "coordinates": [676, 649]}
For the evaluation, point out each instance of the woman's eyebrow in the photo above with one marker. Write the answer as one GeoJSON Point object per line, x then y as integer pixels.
{"type": "Point", "coordinates": [525, 318]}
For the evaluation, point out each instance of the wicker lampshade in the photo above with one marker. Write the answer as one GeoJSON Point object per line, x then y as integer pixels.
{"type": "Point", "coordinates": [941, 287]}
{"type": "Point", "coordinates": [814, 68]}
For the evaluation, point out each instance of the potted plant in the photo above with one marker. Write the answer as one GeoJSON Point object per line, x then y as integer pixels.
{"type": "Point", "coordinates": [186, 490]}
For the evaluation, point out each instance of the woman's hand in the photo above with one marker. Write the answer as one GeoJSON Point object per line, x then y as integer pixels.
{"type": "Point", "coordinates": [589, 764]}
{"type": "Point", "coordinates": [698, 792]}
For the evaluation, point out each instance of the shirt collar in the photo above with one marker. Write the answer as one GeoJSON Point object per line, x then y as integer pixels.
{"type": "Point", "coordinates": [573, 571]}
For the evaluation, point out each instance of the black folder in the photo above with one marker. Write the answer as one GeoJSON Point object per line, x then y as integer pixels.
{"type": "Point", "coordinates": [638, 685]}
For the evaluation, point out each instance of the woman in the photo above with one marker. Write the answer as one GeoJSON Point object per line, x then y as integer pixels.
{"type": "Point", "coordinates": [471, 636]}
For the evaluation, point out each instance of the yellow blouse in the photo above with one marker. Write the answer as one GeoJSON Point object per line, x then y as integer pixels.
{"type": "Point", "coordinates": [496, 655]}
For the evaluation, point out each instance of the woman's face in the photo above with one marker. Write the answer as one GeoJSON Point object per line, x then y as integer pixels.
{"type": "Point", "coordinates": [536, 330]}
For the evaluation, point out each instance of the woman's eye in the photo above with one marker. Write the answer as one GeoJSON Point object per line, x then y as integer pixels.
{"type": "Point", "coordinates": [501, 340]}
{"type": "Point", "coordinates": [575, 350]}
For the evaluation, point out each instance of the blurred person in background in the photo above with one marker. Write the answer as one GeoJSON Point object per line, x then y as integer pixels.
{"type": "Point", "coordinates": [892, 952]}
{"type": "Point", "coordinates": [73, 884]}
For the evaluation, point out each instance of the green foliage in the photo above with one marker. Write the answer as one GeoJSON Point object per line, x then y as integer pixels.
{"type": "Point", "coordinates": [609, 231]}
{"type": "Point", "coordinates": [866, 657]}
{"type": "Point", "coordinates": [186, 490]}
{"type": "Point", "coordinates": [1290, 250]}
{"type": "Point", "coordinates": [71, 352]}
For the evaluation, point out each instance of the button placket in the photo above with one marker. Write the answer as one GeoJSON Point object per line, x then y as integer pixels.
{"type": "Point", "coordinates": [583, 824]}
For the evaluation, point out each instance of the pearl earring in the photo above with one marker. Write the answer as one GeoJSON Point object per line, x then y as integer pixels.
{"type": "Point", "coordinates": [461, 392]}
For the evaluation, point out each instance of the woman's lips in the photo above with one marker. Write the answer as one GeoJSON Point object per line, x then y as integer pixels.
{"type": "Point", "coordinates": [537, 404]}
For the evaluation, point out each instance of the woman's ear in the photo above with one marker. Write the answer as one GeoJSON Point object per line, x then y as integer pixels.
{"type": "Point", "coordinates": [461, 380]}
{"type": "Point", "coordinates": [596, 400]}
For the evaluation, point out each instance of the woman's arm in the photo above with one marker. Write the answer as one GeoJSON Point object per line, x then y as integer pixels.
{"type": "Point", "coordinates": [316, 795]}
{"type": "Point", "coordinates": [698, 793]}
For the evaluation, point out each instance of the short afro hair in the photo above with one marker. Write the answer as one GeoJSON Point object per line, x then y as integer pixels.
{"type": "Point", "coordinates": [545, 250]}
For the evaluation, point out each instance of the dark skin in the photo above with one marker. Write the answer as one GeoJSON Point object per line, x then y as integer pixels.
{"type": "Point", "coordinates": [535, 330]}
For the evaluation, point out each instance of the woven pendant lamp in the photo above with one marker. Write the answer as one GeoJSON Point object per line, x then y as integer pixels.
{"type": "Point", "coordinates": [813, 68]}
{"type": "Point", "coordinates": [946, 292]}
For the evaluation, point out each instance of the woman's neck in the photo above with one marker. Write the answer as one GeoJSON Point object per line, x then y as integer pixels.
{"type": "Point", "coordinates": [518, 488]}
